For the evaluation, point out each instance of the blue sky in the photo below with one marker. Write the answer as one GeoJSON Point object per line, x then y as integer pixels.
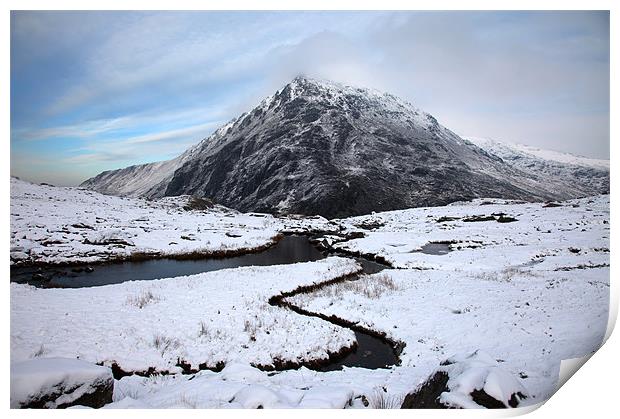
{"type": "Point", "coordinates": [93, 91]}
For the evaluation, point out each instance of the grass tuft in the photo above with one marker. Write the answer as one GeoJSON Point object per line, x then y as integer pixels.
{"type": "Point", "coordinates": [163, 344]}
{"type": "Point", "coordinates": [380, 399]}
{"type": "Point", "coordinates": [142, 300]}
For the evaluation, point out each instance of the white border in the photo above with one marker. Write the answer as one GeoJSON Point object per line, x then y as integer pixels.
{"type": "Point", "coordinates": [593, 389]}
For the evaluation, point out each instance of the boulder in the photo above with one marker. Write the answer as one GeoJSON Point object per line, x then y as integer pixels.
{"type": "Point", "coordinates": [473, 381]}
{"type": "Point", "coordinates": [111, 236]}
{"type": "Point", "coordinates": [56, 383]}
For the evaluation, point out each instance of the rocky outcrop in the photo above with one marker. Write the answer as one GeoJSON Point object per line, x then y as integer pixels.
{"type": "Point", "coordinates": [57, 383]}
{"type": "Point", "coordinates": [473, 381]}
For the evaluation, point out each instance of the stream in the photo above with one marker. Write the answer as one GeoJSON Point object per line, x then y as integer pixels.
{"type": "Point", "coordinates": [372, 352]}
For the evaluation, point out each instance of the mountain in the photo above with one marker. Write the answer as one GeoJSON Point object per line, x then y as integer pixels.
{"type": "Point", "coordinates": [318, 147]}
{"type": "Point", "coordinates": [586, 175]}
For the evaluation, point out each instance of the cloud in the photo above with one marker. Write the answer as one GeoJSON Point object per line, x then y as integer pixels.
{"type": "Point", "coordinates": [169, 49]}
{"type": "Point", "coordinates": [544, 75]}
{"type": "Point", "coordinates": [147, 84]}
{"type": "Point", "coordinates": [82, 130]}
{"type": "Point", "coordinates": [160, 143]}
{"type": "Point", "coordinates": [176, 133]}
{"type": "Point", "coordinates": [90, 129]}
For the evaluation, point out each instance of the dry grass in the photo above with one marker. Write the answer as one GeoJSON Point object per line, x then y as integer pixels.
{"type": "Point", "coordinates": [163, 344]}
{"type": "Point", "coordinates": [142, 300]}
{"type": "Point", "coordinates": [252, 326]}
{"type": "Point", "coordinates": [198, 204]}
{"type": "Point", "coordinates": [209, 332]}
{"type": "Point", "coordinates": [188, 402]}
{"type": "Point", "coordinates": [371, 286]}
{"type": "Point", "coordinates": [380, 399]}
{"type": "Point", "coordinates": [204, 330]}
{"type": "Point", "coordinates": [506, 275]}
{"type": "Point", "coordinates": [40, 352]}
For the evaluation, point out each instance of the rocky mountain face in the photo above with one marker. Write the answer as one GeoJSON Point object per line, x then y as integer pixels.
{"type": "Point", "coordinates": [317, 147]}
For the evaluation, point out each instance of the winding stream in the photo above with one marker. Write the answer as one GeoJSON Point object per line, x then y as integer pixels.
{"type": "Point", "coordinates": [372, 352]}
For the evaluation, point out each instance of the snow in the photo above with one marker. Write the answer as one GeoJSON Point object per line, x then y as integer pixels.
{"type": "Point", "coordinates": [521, 296]}
{"type": "Point", "coordinates": [540, 234]}
{"type": "Point", "coordinates": [479, 371]}
{"type": "Point", "coordinates": [54, 225]}
{"type": "Point", "coordinates": [580, 176]}
{"type": "Point", "coordinates": [229, 389]}
{"type": "Point", "coordinates": [520, 293]}
{"type": "Point", "coordinates": [142, 324]}
{"type": "Point", "coordinates": [35, 378]}
{"type": "Point", "coordinates": [552, 155]}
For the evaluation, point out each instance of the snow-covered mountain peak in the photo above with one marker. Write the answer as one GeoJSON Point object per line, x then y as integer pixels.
{"type": "Point", "coordinates": [550, 166]}
{"type": "Point", "coordinates": [321, 147]}
{"type": "Point", "coordinates": [337, 93]}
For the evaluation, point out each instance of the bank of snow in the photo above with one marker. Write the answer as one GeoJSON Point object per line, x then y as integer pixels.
{"type": "Point", "coordinates": [213, 317]}
{"type": "Point", "coordinates": [577, 232]}
{"type": "Point", "coordinates": [55, 225]}
{"type": "Point", "coordinates": [58, 382]}
{"type": "Point", "coordinates": [531, 292]}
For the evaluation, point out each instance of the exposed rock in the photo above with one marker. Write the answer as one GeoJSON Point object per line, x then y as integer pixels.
{"type": "Point", "coordinates": [48, 383]}
{"type": "Point", "coordinates": [477, 218]}
{"type": "Point", "coordinates": [107, 237]}
{"type": "Point", "coordinates": [83, 226]}
{"type": "Point", "coordinates": [427, 395]}
{"type": "Point", "coordinates": [317, 147]}
{"type": "Point", "coordinates": [474, 381]}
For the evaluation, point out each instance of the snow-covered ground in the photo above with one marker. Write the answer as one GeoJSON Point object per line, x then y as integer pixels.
{"type": "Point", "coordinates": [529, 318]}
{"type": "Point", "coordinates": [556, 237]}
{"type": "Point", "coordinates": [54, 225]}
{"type": "Point", "coordinates": [528, 293]}
{"type": "Point", "coordinates": [220, 316]}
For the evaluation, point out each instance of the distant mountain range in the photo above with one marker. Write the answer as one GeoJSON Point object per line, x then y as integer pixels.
{"type": "Point", "coordinates": [318, 147]}
{"type": "Point", "coordinates": [587, 176]}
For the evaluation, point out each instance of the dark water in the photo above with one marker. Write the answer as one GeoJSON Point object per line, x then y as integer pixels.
{"type": "Point", "coordinates": [436, 248]}
{"type": "Point", "coordinates": [290, 249]}
{"type": "Point", "coordinates": [371, 352]}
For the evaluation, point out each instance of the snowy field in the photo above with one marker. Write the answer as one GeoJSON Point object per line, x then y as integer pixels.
{"type": "Point", "coordinates": [557, 237]}
{"type": "Point", "coordinates": [525, 285]}
{"type": "Point", "coordinates": [225, 317]}
{"type": "Point", "coordinates": [530, 319]}
{"type": "Point", "coordinates": [55, 225]}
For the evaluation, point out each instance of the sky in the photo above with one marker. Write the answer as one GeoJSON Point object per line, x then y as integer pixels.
{"type": "Point", "coordinates": [94, 91]}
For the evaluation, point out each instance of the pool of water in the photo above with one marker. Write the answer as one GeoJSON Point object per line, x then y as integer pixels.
{"type": "Point", "coordinates": [436, 248]}
{"type": "Point", "coordinates": [371, 351]}
{"type": "Point", "coordinates": [290, 249]}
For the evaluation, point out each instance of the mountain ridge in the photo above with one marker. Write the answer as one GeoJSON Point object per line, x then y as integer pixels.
{"type": "Point", "coordinates": [319, 147]}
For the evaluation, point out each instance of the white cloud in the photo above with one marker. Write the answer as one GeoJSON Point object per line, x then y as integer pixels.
{"type": "Point", "coordinates": [540, 78]}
